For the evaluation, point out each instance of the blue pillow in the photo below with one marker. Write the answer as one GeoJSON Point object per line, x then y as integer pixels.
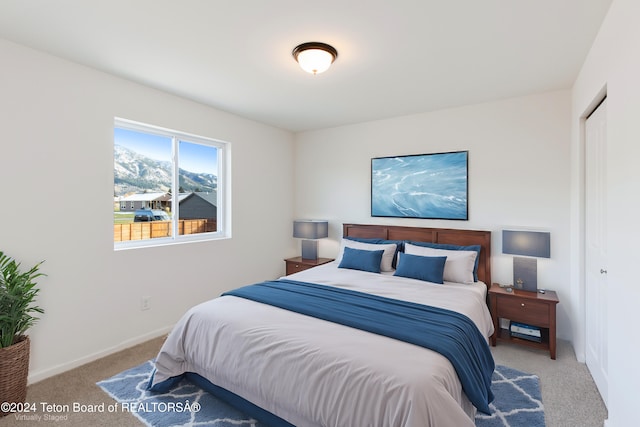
{"type": "Point", "coordinates": [399, 245]}
{"type": "Point", "coordinates": [358, 259]}
{"type": "Point", "coordinates": [427, 268]}
{"type": "Point", "coordinates": [450, 247]}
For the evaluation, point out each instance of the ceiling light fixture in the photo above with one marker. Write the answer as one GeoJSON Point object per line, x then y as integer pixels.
{"type": "Point", "coordinates": [315, 57]}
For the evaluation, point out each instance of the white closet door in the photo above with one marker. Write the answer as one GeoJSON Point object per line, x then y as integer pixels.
{"type": "Point", "coordinates": [596, 296]}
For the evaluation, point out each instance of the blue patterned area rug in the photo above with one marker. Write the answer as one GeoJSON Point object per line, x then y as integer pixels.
{"type": "Point", "coordinates": [517, 403]}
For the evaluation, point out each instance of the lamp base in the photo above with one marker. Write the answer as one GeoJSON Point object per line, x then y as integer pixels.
{"type": "Point", "coordinates": [310, 249]}
{"type": "Point", "coordinates": [525, 274]}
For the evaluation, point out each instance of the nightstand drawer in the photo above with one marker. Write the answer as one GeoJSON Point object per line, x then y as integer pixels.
{"type": "Point", "coordinates": [297, 264]}
{"type": "Point", "coordinates": [294, 267]}
{"type": "Point", "coordinates": [523, 310]}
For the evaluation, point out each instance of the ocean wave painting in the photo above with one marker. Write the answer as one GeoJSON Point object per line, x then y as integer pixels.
{"type": "Point", "coordinates": [430, 186]}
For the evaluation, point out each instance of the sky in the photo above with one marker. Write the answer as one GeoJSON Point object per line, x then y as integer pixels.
{"type": "Point", "coordinates": [193, 157]}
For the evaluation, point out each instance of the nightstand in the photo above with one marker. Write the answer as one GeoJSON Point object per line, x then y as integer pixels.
{"type": "Point", "coordinates": [297, 264]}
{"type": "Point", "coordinates": [531, 308]}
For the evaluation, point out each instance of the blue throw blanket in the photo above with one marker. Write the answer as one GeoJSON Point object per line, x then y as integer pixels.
{"type": "Point", "coordinates": [447, 332]}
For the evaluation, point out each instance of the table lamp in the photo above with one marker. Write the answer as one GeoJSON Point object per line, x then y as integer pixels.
{"type": "Point", "coordinates": [310, 230]}
{"type": "Point", "coordinates": [530, 244]}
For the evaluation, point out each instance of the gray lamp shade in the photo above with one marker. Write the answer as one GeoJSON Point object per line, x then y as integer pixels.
{"type": "Point", "coordinates": [310, 229]}
{"type": "Point", "coordinates": [526, 243]}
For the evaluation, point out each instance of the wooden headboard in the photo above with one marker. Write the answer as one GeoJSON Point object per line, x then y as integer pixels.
{"type": "Point", "coordinates": [433, 235]}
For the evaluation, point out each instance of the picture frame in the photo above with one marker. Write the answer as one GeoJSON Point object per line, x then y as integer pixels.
{"type": "Point", "coordinates": [429, 186]}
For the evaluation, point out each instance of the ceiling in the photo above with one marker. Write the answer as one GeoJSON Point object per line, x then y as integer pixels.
{"type": "Point", "coordinates": [394, 57]}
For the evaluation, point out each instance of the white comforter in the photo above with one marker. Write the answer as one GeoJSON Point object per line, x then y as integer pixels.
{"type": "Point", "coordinates": [312, 372]}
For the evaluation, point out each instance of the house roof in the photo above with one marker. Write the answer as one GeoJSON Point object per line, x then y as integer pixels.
{"type": "Point", "coordinates": [146, 197]}
{"type": "Point", "coordinates": [210, 197]}
{"type": "Point", "coordinates": [395, 58]}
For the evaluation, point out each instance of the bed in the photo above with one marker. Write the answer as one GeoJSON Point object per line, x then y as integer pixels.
{"type": "Point", "coordinates": [300, 366]}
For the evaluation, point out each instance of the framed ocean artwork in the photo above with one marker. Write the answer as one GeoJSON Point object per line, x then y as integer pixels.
{"type": "Point", "coordinates": [433, 186]}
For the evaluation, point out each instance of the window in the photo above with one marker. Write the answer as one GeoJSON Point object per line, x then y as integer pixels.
{"type": "Point", "coordinates": [174, 183]}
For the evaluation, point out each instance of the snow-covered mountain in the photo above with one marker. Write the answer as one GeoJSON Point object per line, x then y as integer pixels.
{"type": "Point", "coordinates": [135, 173]}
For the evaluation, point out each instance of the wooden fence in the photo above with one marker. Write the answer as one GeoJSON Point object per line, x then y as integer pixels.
{"type": "Point", "coordinates": [156, 229]}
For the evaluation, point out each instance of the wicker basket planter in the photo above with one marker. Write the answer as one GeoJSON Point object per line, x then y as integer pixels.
{"type": "Point", "coordinates": [14, 369]}
{"type": "Point", "coordinates": [18, 291]}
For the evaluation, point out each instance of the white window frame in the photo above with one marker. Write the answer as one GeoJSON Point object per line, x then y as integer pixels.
{"type": "Point", "coordinates": [223, 208]}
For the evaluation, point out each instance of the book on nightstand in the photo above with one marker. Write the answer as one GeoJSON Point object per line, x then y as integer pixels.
{"type": "Point", "coordinates": [526, 332]}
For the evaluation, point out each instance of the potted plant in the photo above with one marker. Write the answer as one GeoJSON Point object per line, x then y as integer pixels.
{"type": "Point", "coordinates": [17, 314]}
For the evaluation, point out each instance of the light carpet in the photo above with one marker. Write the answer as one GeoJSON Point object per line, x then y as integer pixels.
{"type": "Point", "coordinates": [517, 402]}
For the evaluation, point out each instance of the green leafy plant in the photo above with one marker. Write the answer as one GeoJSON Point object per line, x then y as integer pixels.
{"type": "Point", "coordinates": [18, 292]}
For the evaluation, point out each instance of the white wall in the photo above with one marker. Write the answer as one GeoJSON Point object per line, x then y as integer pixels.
{"type": "Point", "coordinates": [56, 166]}
{"type": "Point", "coordinates": [614, 63]}
{"type": "Point", "coordinates": [519, 176]}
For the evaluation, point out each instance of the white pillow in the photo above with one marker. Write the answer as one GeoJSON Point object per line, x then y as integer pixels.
{"type": "Point", "coordinates": [387, 257]}
{"type": "Point", "coordinates": [458, 267]}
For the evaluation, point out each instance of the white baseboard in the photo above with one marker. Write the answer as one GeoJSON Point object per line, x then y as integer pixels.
{"type": "Point", "coordinates": [49, 372]}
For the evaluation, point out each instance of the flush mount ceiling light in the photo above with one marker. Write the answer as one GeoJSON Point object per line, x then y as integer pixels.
{"type": "Point", "coordinates": [315, 57]}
